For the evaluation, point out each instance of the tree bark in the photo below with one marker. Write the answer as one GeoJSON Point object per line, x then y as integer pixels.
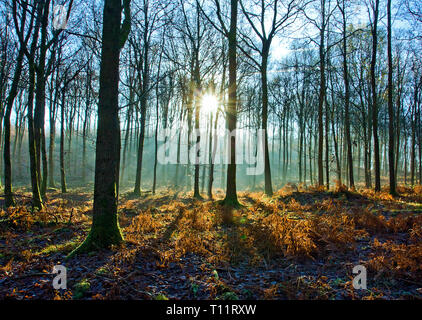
{"type": "Point", "coordinates": [374, 98]}
{"type": "Point", "coordinates": [231, 111]}
{"type": "Point", "coordinates": [390, 106]}
{"type": "Point", "coordinates": [105, 230]}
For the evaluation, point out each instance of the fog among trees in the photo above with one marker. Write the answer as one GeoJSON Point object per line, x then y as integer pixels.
{"type": "Point", "coordinates": [207, 100]}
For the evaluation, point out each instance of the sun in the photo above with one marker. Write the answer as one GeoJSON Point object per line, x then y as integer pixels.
{"type": "Point", "coordinates": [209, 102]}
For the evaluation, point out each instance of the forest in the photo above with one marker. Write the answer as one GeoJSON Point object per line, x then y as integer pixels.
{"type": "Point", "coordinates": [211, 150]}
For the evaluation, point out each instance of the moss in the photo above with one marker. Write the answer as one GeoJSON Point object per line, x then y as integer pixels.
{"type": "Point", "coordinates": [228, 296]}
{"type": "Point", "coordinates": [81, 288]}
{"type": "Point", "coordinates": [102, 271]}
{"type": "Point", "coordinates": [231, 202]}
{"type": "Point", "coordinates": [339, 282]}
{"type": "Point", "coordinates": [104, 234]}
{"type": "Point", "coordinates": [160, 297]}
{"type": "Point", "coordinates": [248, 295]}
{"type": "Point", "coordinates": [62, 230]}
{"type": "Point", "coordinates": [197, 196]}
{"type": "Point", "coordinates": [9, 201]}
{"type": "Point", "coordinates": [63, 247]}
{"type": "Point", "coordinates": [194, 288]}
{"type": "Point", "coordinates": [243, 220]}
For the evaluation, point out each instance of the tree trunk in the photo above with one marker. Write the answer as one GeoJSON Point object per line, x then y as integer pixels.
{"type": "Point", "coordinates": [390, 105]}
{"type": "Point", "coordinates": [321, 98]}
{"type": "Point", "coordinates": [347, 101]}
{"type": "Point", "coordinates": [9, 201]}
{"type": "Point", "coordinates": [62, 137]}
{"type": "Point", "coordinates": [374, 99]}
{"type": "Point", "coordinates": [231, 111]}
{"type": "Point", "coordinates": [267, 169]}
{"type": "Point", "coordinates": [105, 230]}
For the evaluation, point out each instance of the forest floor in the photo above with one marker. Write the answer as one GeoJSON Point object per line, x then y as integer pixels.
{"type": "Point", "coordinates": [302, 243]}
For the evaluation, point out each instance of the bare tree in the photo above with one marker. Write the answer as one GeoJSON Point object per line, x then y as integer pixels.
{"type": "Point", "coordinates": [279, 15]}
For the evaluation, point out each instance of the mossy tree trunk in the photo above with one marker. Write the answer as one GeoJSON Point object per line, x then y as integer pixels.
{"type": "Point", "coordinates": [105, 230]}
